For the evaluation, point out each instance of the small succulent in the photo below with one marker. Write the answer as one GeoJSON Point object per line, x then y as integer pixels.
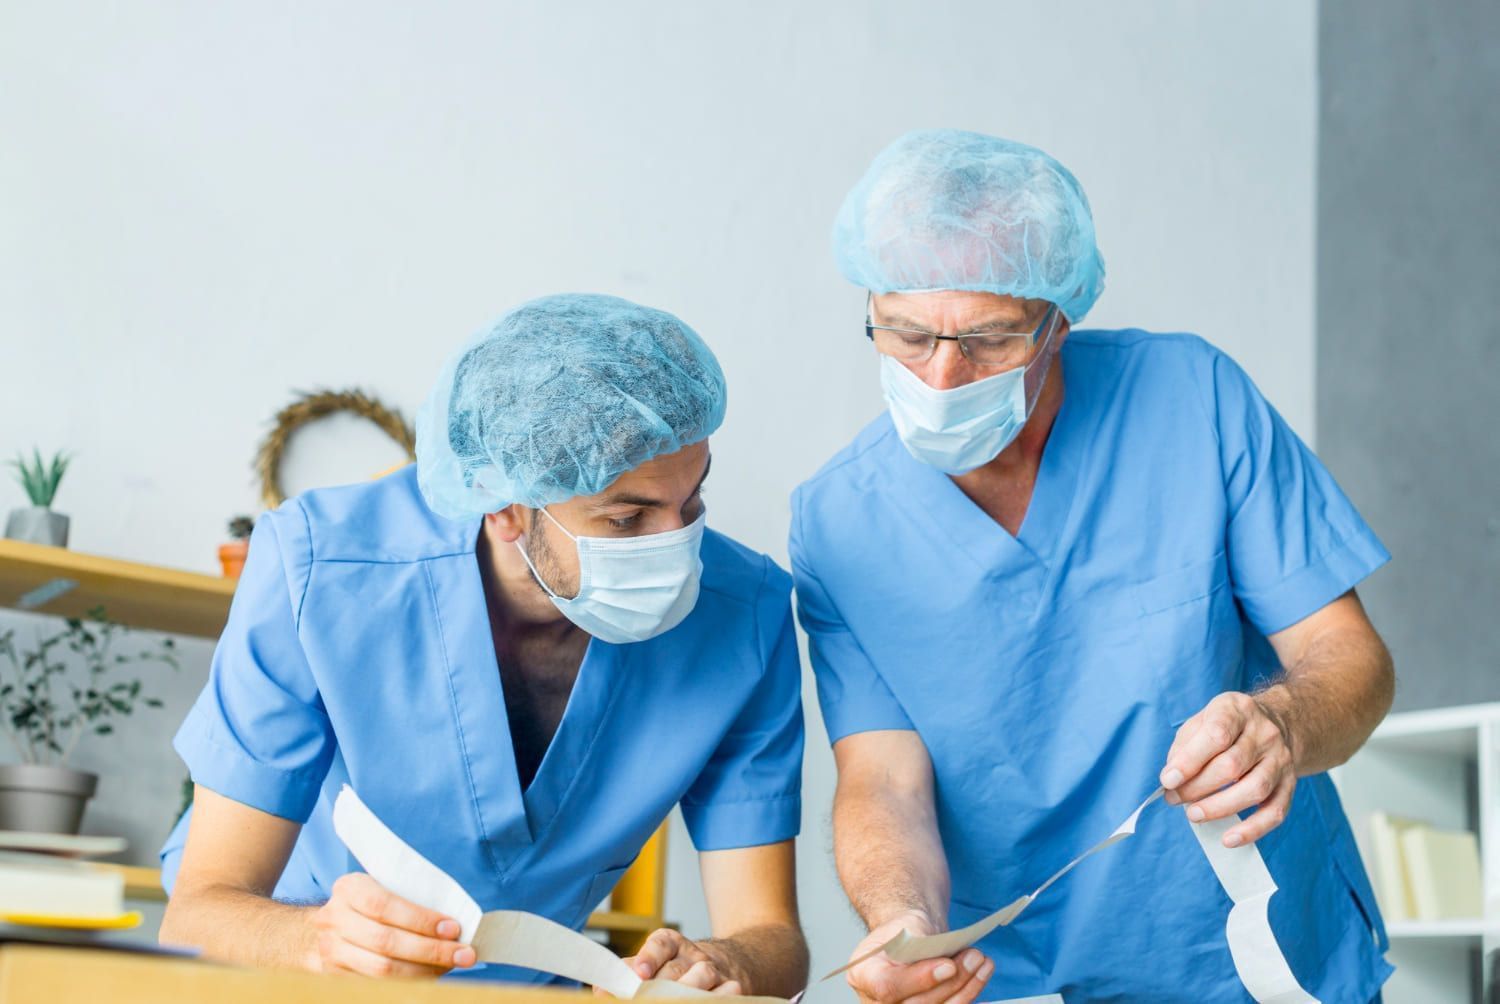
{"type": "Point", "coordinates": [40, 478]}
{"type": "Point", "coordinates": [240, 527]}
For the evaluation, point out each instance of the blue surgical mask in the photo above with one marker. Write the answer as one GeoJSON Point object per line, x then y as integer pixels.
{"type": "Point", "coordinates": [965, 427]}
{"type": "Point", "coordinates": [631, 588]}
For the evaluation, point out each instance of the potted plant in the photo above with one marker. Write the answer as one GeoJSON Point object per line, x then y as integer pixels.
{"type": "Point", "coordinates": [53, 694]}
{"type": "Point", "coordinates": [39, 524]}
{"type": "Point", "coordinates": [232, 555]}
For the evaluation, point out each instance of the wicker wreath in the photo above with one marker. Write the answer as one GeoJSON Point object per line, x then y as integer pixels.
{"type": "Point", "coordinates": [309, 407]}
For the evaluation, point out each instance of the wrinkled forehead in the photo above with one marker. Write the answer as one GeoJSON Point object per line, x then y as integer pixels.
{"type": "Point", "coordinates": [952, 309]}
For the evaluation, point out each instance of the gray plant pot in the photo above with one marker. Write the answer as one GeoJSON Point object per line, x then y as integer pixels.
{"type": "Point", "coordinates": [43, 798]}
{"type": "Point", "coordinates": [38, 525]}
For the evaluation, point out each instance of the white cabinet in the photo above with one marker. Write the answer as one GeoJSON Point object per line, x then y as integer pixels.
{"type": "Point", "coordinates": [1443, 767]}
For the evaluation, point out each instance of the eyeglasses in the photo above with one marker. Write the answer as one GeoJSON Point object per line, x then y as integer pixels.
{"type": "Point", "coordinates": [1005, 349]}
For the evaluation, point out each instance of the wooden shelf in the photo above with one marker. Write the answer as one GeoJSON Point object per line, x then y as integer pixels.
{"type": "Point", "coordinates": [55, 580]}
{"type": "Point", "coordinates": [618, 922]}
{"type": "Point", "coordinates": [141, 883]}
{"type": "Point", "coordinates": [1474, 929]}
{"type": "Point", "coordinates": [1440, 766]}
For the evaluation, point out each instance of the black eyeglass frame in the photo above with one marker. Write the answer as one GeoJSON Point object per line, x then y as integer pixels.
{"type": "Point", "coordinates": [1031, 337]}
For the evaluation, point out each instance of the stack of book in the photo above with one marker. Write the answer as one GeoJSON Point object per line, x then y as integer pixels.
{"type": "Point", "coordinates": [44, 883]}
{"type": "Point", "coordinates": [1424, 873]}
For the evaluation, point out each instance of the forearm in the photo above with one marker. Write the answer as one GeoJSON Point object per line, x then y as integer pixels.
{"type": "Point", "coordinates": [769, 960]}
{"type": "Point", "coordinates": [233, 925]}
{"type": "Point", "coordinates": [1329, 701]}
{"type": "Point", "coordinates": [889, 854]}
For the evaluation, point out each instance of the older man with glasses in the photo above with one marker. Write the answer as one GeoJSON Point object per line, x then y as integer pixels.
{"type": "Point", "coordinates": [1063, 568]}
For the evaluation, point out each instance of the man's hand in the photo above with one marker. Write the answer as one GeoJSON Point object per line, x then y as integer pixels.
{"type": "Point", "coordinates": [667, 955]}
{"type": "Point", "coordinates": [933, 981]}
{"type": "Point", "coordinates": [1234, 754]}
{"type": "Point", "coordinates": [365, 928]}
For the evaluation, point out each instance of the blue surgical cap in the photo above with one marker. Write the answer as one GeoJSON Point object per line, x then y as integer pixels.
{"type": "Point", "coordinates": [559, 398]}
{"type": "Point", "coordinates": [945, 209]}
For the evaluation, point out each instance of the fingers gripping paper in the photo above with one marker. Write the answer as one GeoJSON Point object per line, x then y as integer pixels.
{"type": "Point", "coordinates": [511, 937]}
{"type": "Point", "coordinates": [399, 868]}
{"type": "Point", "coordinates": [1258, 959]}
{"type": "Point", "coordinates": [904, 948]}
{"type": "Point", "coordinates": [504, 937]}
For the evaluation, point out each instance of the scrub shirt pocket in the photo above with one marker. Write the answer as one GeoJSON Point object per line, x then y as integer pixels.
{"type": "Point", "coordinates": [1190, 630]}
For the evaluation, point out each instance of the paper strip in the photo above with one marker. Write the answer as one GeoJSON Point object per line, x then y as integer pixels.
{"type": "Point", "coordinates": [505, 937]}
{"type": "Point", "coordinates": [398, 867]}
{"type": "Point", "coordinates": [513, 938]}
{"type": "Point", "coordinates": [905, 948]}
{"type": "Point", "coordinates": [1125, 829]}
{"type": "Point", "coordinates": [526, 940]}
{"type": "Point", "coordinates": [1258, 959]}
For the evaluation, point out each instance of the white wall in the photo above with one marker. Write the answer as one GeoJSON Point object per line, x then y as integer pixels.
{"type": "Point", "coordinates": [208, 205]}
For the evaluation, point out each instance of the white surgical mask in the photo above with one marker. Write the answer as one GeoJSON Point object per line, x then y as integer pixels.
{"type": "Point", "coordinates": [631, 588]}
{"type": "Point", "coordinates": [965, 427]}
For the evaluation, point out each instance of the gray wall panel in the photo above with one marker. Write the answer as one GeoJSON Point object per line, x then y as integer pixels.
{"type": "Point", "coordinates": [1408, 396]}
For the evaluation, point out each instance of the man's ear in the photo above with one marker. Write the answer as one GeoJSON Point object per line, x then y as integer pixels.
{"type": "Point", "coordinates": [1063, 327]}
{"type": "Point", "coordinates": [509, 523]}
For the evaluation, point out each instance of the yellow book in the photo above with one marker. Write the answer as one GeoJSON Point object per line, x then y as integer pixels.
{"type": "Point", "coordinates": [1392, 883]}
{"type": "Point", "coordinates": [1443, 866]}
{"type": "Point", "coordinates": [40, 890]}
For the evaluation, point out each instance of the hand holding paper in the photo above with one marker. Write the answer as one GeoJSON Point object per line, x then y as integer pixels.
{"type": "Point", "coordinates": [906, 948]}
{"type": "Point", "coordinates": [526, 940]}
{"type": "Point", "coordinates": [879, 979]}
{"type": "Point", "coordinates": [365, 928]}
{"type": "Point", "coordinates": [506, 937]}
{"type": "Point", "coordinates": [1233, 755]}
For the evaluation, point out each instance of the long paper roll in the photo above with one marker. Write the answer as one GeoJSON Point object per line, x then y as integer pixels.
{"type": "Point", "coordinates": [513, 937]}
{"type": "Point", "coordinates": [505, 937]}
{"type": "Point", "coordinates": [905, 948]}
{"type": "Point", "coordinates": [1258, 959]}
{"type": "Point", "coordinates": [395, 865]}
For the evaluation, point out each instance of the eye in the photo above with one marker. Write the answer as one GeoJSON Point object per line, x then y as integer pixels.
{"type": "Point", "coordinates": [627, 522]}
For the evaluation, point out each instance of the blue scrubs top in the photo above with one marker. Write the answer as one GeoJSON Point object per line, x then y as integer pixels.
{"type": "Point", "coordinates": [1176, 521]}
{"type": "Point", "coordinates": [358, 649]}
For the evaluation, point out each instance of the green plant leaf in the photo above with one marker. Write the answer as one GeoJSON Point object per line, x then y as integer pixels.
{"type": "Point", "coordinates": [66, 683]}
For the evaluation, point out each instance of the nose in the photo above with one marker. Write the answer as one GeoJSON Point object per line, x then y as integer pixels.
{"type": "Point", "coordinates": [948, 368]}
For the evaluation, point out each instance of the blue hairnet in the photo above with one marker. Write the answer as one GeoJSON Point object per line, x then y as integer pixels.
{"type": "Point", "coordinates": [559, 398]}
{"type": "Point", "coordinates": [945, 209]}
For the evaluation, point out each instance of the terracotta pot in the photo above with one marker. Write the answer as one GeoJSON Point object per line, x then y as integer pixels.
{"type": "Point", "coordinates": [232, 557]}
{"type": "Point", "coordinates": [43, 798]}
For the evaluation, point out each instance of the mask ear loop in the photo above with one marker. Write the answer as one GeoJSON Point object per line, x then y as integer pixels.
{"type": "Point", "coordinates": [558, 525]}
{"type": "Point", "coordinates": [1052, 325]}
{"type": "Point", "coordinates": [527, 558]}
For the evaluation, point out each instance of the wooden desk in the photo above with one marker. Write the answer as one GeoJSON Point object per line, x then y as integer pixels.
{"type": "Point", "coordinates": [39, 974]}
